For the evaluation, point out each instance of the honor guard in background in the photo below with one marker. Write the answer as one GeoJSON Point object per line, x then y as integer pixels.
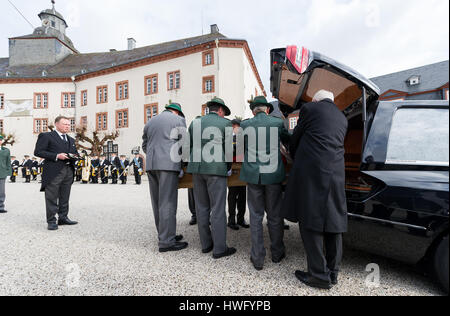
{"type": "Point", "coordinates": [138, 165]}
{"type": "Point", "coordinates": [114, 170]}
{"type": "Point", "coordinates": [86, 170]}
{"type": "Point", "coordinates": [78, 170]}
{"type": "Point", "coordinates": [41, 168]}
{"type": "Point", "coordinates": [123, 169]}
{"type": "Point", "coordinates": [95, 165]}
{"type": "Point", "coordinates": [264, 177]}
{"type": "Point", "coordinates": [27, 165]}
{"type": "Point", "coordinates": [15, 169]}
{"type": "Point", "coordinates": [5, 171]}
{"type": "Point", "coordinates": [35, 168]}
{"type": "Point", "coordinates": [210, 180]}
{"type": "Point", "coordinates": [104, 169]}
{"type": "Point", "coordinates": [237, 196]}
{"type": "Point", "coordinates": [163, 173]}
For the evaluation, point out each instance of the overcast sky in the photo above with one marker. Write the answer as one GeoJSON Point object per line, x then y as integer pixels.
{"type": "Point", "coordinates": [374, 37]}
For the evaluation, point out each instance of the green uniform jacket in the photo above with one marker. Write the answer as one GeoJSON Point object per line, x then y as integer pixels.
{"type": "Point", "coordinates": [5, 163]}
{"type": "Point", "coordinates": [272, 172]}
{"type": "Point", "coordinates": [219, 166]}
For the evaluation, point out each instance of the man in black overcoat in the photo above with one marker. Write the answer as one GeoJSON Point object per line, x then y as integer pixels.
{"type": "Point", "coordinates": [315, 195]}
{"type": "Point", "coordinates": [58, 171]}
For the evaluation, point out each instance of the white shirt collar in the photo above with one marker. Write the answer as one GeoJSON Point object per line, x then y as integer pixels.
{"type": "Point", "coordinates": [60, 134]}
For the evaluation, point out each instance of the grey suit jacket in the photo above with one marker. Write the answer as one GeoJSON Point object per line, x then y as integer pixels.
{"type": "Point", "coordinates": [158, 142]}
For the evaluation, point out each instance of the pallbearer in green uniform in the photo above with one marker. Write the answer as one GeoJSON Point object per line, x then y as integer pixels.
{"type": "Point", "coordinates": [210, 177]}
{"type": "Point", "coordinates": [263, 170]}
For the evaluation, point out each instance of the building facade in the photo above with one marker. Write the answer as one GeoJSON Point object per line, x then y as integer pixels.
{"type": "Point", "coordinates": [45, 76]}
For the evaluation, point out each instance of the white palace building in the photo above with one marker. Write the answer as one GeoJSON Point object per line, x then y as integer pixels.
{"type": "Point", "coordinates": [46, 76]}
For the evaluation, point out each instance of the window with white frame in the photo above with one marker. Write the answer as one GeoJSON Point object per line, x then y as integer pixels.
{"type": "Point", "coordinates": [68, 100]}
{"type": "Point", "coordinates": [84, 98]}
{"type": "Point", "coordinates": [151, 110]}
{"type": "Point", "coordinates": [41, 100]}
{"type": "Point", "coordinates": [174, 80]}
{"type": "Point", "coordinates": [73, 125]}
{"type": "Point", "coordinates": [2, 101]}
{"type": "Point", "coordinates": [122, 118]}
{"type": "Point", "coordinates": [151, 84]}
{"type": "Point", "coordinates": [122, 90]}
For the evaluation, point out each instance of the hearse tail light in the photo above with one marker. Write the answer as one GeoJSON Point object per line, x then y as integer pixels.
{"type": "Point", "coordinates": [299, 57]}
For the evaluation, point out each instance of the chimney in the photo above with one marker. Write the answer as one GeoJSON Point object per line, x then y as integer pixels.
{"type": "Point", "coordinates": [131, 43]}
{"type": "Point", "coordinates": [214, 29]}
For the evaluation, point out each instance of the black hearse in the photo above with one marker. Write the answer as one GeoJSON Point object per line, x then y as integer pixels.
{"type": "Point", "coordinates": [397, 159]}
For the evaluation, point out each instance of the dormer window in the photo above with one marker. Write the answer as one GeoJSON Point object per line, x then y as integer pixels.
{"type": "Point", "coordinates": [414, 80]}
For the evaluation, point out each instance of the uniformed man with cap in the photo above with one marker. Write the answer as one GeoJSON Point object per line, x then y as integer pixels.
{"type": "Point", "coordinates": [210, 177]}
{"type": "Point", "coordinates": [15, 164]}
{"type": "Point", "coordinates": [162, 134]}
{"type": "Point", "coordinates": [138, 165]}
{"type": "Point", "coordinates": [27, 165]}
{"type": "Point", "coordinates": [104, 167]}
{"type": "Point", "coordinates": [123, 169]}
{"type": "Point", "coordinates": [114, 170]}
{"type": "Point", "coordinates": [263, 170]}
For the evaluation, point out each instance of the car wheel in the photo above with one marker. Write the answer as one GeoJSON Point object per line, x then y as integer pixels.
{"type": "Point", "coordinates": [441, 263]}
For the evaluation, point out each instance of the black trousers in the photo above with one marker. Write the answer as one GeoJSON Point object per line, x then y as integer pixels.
{"type": "Point", "coordinates": [323, 252]}
{"type": "Point", "coordinates": [137, 177]}
{"type": "Point", "coordinates": [12, 179]}
{"type": "Point", "coordinates": [237, 196]}
{"type": "Point", "coordinates": [57, 195]}
{"type": "Point", "coordinates": [192, 202]}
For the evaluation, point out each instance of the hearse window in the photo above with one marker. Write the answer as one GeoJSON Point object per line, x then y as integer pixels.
{"type": "Point", "coordinates": [419, 137]}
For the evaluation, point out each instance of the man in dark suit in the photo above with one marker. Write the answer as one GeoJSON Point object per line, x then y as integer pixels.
{"type": "Point", "coordinates": [58, 172]}
{"type": "Point", "coordinates": [35, 168]}
{"type": "Point", "coordinates": [315, 195]}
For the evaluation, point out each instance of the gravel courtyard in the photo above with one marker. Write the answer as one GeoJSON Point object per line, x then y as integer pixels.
{"type": "Point", "coordinates": [113, 251]}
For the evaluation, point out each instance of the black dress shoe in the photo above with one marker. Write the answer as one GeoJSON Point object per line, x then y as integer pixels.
{"type": "Point", "coordinates": [334, 278]}
{"type": "Point", "coordinates": [257, 267]}
{"type": "Point", "coordinates": [227, 253]}
{"type": "Point", "coordinates": [193, 221]}
{"type": "Point", "coordinates": [208, 250]}
{"type": "Point", "coordinates": [177, 247]}
{"type": "Point", "coordinates": [66, 222]}
{"type": "Point", "coordinates": [244, 224]}
{"type": "Point", "coordinates": [179, 237]}
{"type": "Point", "coordinates": [311, 281]}
{"type": "Point", "coordinates": [3, 212]}
{"type": "Point", "coordinates": [278, 260]}
{"type": "Point", "coordinates": [52, 226]}
{"type": "Point", "coordinates": [233, 226]}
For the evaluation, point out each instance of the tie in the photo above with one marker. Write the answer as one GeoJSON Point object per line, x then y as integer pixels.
{"type": "Point", "coordinates": [64, 138]}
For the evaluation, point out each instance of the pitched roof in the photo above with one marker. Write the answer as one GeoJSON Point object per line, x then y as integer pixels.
{"type": "Point", "coordinates": [431, 76]}
{"type": "Point", "coordinates": [78, 64]}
